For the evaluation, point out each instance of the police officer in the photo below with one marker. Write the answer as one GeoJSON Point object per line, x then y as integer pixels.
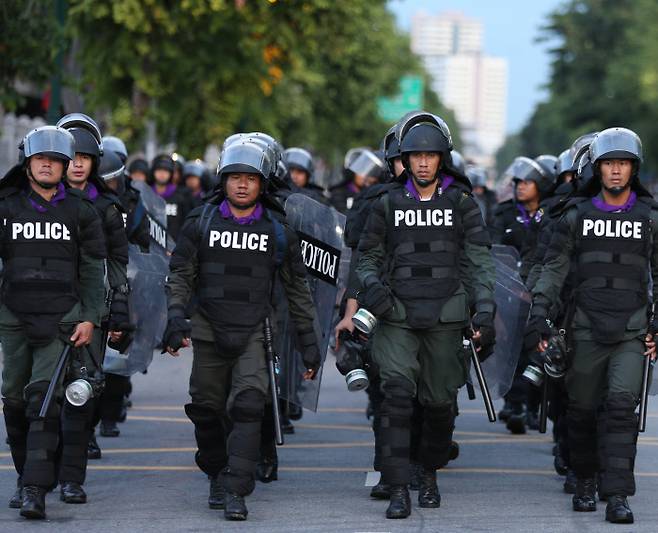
{"type": "Point", "coordinates": [362, 167]}
{"type": "Point", "coordinates": [516, 223]}
{"type": "Point", "coordinates": [179, 200]}
{"type": "Point", "coordinates": [230, 253]}
{"type": "Point", "coordinates": [52, 248]}
{"type": "Point", "coordinates": [82, 175]}
{"type": "Point", "coordinates": [483, 196]}
{"type": "Point", "coordinates": [196, 179]}
{"type": "Point", "coordinates": [422, 228]}
{"type": "Point", "coordinates": [609, 231]}
{"type": "Point", "coordinates": [301, 168]}
{"type": "Point", "coordinates": [138, 169]}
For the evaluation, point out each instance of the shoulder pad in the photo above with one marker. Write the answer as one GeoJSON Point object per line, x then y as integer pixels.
{"type": "Point", "coordinates": [196, 212]}
{"type": "Point", "coordinates": [504, 206]}
{"type": "Point", "coordinates": [568, 204]}
{"type": "Point", "coordinates": [649, 201]}
{"type": "Point", "coordinates": [113, 199]}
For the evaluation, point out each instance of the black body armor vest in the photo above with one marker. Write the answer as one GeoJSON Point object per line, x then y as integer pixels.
{"type": "Point", "coordinates": [612, 278]}
{"type": "Point", "coordinates": [40, 255]}
{"type": "Point", "coordinates": [425, 239]}
{"type": "Point", "coordinates": [236, 270]}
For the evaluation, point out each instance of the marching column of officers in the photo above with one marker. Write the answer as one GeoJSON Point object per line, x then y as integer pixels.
{"type": "Point", "coordinates": [420, 223]}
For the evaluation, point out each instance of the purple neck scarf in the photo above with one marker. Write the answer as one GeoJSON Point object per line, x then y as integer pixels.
{"type": "Point", "coordinates": [59, 196]}
{"type": "Point", "coordinates": [91, 191]}
{"type": "Point", "coordinates": [524, 216]}
{"type": "Point", "coordinates": [170, 190]}
{"type": "Point", "coordinates": [601, 205]}
{"type": "Point", "coordinates": [352, 188]}
{"type": "Point", "coordinates": [255, 216]}
{"type": "Point", "coordinates": [445, 182]}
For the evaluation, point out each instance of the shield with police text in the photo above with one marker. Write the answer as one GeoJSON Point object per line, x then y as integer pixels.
{"type": "Point", "coordinates": [147, 305]}
{"type": "Point", "coordinates": [156, 211]}
{"type": "Point", "coordinates": [512, 308]}
{"type": "Point", "coordinates": [320, 231]}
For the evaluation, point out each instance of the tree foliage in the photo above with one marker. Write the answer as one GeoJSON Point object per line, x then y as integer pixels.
{"type": "Point", "coordinates": [309, 72]}
{"type": "Point", "coordinates": [604, 73]}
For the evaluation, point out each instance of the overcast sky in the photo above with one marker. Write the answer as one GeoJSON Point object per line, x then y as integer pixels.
{"type": "Point", "coordinates": [510, 29]}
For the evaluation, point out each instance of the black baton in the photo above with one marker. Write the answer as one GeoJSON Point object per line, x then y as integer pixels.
{"type": "Point", "coordinates": [644, 394]}
{"type": "Point", "coordinates": [484, 389]}
{"type": "Point", "coordinates": [543, 406]}
{"type": "Point", "coordinates": [274, 386]}
{"type": "Point", "coordinates": [54, 381]}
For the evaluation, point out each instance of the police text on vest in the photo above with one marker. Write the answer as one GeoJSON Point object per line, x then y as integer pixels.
{"type": "Point", "coordinates": [626, 229]}
{"type": "Point", "coordinates": [42, 231]}
{"type": "Point", "coordinates": [423, 217]}
{"type": "Point", "coordinates": [239, 241]}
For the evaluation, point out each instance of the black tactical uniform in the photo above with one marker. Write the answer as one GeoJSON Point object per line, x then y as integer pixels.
{"type": "Point", "coordinates": [53, 279]}
{"type": "Point", "coordinates": [230, 265]}
{"type": "Point", "coordinates": [178, 198]}
{"type": "Point", "coordinates": [615, 248]}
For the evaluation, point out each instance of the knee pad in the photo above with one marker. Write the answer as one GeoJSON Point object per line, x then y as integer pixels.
{"type": "Point", "coordinates": [619, 438]}
{"type": "Point", "coordinates": [582, 440]}
{"type": "Point", "coordinates": [34, 394]}
{"type": "Point", "coordinates": [248, 406]}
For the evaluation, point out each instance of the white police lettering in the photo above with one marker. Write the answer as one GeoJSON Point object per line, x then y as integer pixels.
{"type": "Point", "coordinates": [626, 229]}
{"type": "Point", "coordinates": [157, 232]}
{"type": "Point", "coordinates": [318, 259]}
{"type": "Point", "coordinates": [124, 216]}
{"type": "Point", "coordinates": [172, 210]}
{"type": "Point", "coordinates": [423, 217]}
{"type": "Point", "coordinates": [238, 241]}
{"type": "Point", "coordinates": [40, 231]}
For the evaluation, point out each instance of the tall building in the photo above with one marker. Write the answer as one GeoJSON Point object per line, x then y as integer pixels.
{"type": "Point", "coordinates": [469, 82]}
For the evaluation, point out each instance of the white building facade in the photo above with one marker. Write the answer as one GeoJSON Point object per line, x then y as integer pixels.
{"type": "Point", "coordinates": [472, 84]}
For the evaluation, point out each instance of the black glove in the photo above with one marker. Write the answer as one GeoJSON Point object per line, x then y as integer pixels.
{"type": "Point", "coordinates": [119, 317]}
{"type": "Point", "coordinates": [178, 328]}
{"type": "Point", "coordinates": [536, 330]}
{"type": "Point", "coordinates": [484, 323]}
{"type": "Point", "coordinates": [375, 297]}
{"type": "Point", "coordinates": [311, 357]}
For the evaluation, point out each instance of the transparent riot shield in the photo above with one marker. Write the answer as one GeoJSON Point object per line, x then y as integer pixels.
{"type": "Point", "coordinates": [507, 255]}
{"type": "Point", "coordinates": [512, 307]}
{"type": "Point", "coordinates": [320, 230]}
{"type": "Point", "coordinates": [156, 210]}
{"type": "Point", "coordinates": [147, 304]}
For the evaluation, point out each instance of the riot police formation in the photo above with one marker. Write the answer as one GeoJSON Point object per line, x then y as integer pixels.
{"type": "Point", "coordinates": [426, 251]}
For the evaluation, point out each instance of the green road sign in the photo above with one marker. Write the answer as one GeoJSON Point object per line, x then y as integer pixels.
{"type": "Point", "coordinates": [409, 98]}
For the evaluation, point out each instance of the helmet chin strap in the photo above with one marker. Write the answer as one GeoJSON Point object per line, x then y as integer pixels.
{"type": "Point", "coordinates": [46, 186]}
{"type": "Point", "coordinates": [424, 182]}
{"type": "Point", "coordinates": [616, 191]}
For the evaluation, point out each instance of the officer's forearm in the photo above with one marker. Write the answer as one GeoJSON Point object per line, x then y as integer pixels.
{"type": "Point", "coordinates": [180, 283]}
{"type": "Point", "coordinates": [482, 275]}
{"type": "Point", "coordinates": [548, 286]}
{"type": "Point", "coordinates": [353, 283]}
{"type": "Point", "coordinates": [117, 273]}
{"type": "Point", "coordinates": [92, 291]}
{"type": "Point", "coordinates": [370, 263]}
{"type": "Point", "coordinates": [300, 302]}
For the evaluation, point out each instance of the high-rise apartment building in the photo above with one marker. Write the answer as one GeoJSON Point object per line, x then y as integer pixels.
{"type": "Point", "coordinates": [472, 84]}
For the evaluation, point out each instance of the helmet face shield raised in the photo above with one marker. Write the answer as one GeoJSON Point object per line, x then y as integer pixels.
{"type": "Point", "coordinates": [367, 164]}
{"type": "Point", "coordinates": [51, 141]}
{"type": "Point", "coordinates": [248, 157]}
{"type": "Point", "coordinates": [616, 143]}
{"type": "Point", "coordinates": [421, 117]}
{"type": "Point", "coordinates": [299, 158]}
{"type": "Point", "coordinates": [80, 120]}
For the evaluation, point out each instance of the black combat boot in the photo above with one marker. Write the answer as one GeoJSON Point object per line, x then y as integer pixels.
{"type": "Point", "coordinates": [268, 469]}
{"type": "Point", "coordinates": [532, 420]}
{"type": "Point", "coordinates": [400, 506]}
{"type": "Point", "coordinates": [34, 502]}
{"type": "Point", "coordinates": [234, 507]}
{"type": "Point", "coordinates": [381, 491]}
{"type": "Point", "coordinates": [618, 511]}
{"type": "Point", "coordinates": [570, 482]}
{"type": "Point", "coordinates": [71, 492]}
{"type": "Point", "coordinates": [16, 500]}
{"type": "Point", "coordinates": [517, 419]}
{"type": "Point", "coordinates": [428, 492]}
{"type": "Point", "coordinates": [505, 412]}
{"type": "Point", "coordinates": [93, 449]}
{"type": "Point", "coordinates": [217, 493]}
{"type": "Point", "coordinates": [109, 429]}
{"type": "Point", "coordinates": [584, 501]}
{"type": "Point", "coordinates": [559, 463]}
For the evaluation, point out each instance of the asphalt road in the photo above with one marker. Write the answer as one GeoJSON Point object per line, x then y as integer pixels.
{"type": "Point", "coordinates": [147, 480]}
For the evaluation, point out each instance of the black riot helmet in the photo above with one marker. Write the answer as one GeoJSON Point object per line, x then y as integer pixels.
{"type": "Point", "coordinates": [85, 122]}
{"type": "Point", "coordinates": [51, 141]}
{"type": "Point", "coordinates": [477, 176]}
{"type": "Point", "coordinates": [85, 143]}
{"type": "Point", "coordinates": [564, 164]}
{"type": "Point", "coordinates": [579, 146]}
{"type": "Point", "coordinates": [526, 169]}
{"type": "Point", "coordinates": [548, 163]}
{"type": "Point", "coordinates": [367, 163]}
{"type": "Point", "coordinates": [419, 131]}
{"type": "Point", "coordinates": [162, 161]}
{"type": "Point", "coordinates": [112, 170]}
{"type": "Point", "coordinates": [391, 148]}
{"type": "Point", "coordinates": [245, 156]}
{"type": "Point", "coordinates": [198, 168]}
{"type": "Point", "coordinates": [458, 162]}
{"type": "Point", "coordinates": [299, 158]}
{"type": "Point", "coordinates": [116, 145]}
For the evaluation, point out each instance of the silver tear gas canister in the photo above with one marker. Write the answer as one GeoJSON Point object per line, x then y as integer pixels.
{"type": "Point", "coordinates": [364, 321]}
{"type": "Point", "coordinates": [79, 392]}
